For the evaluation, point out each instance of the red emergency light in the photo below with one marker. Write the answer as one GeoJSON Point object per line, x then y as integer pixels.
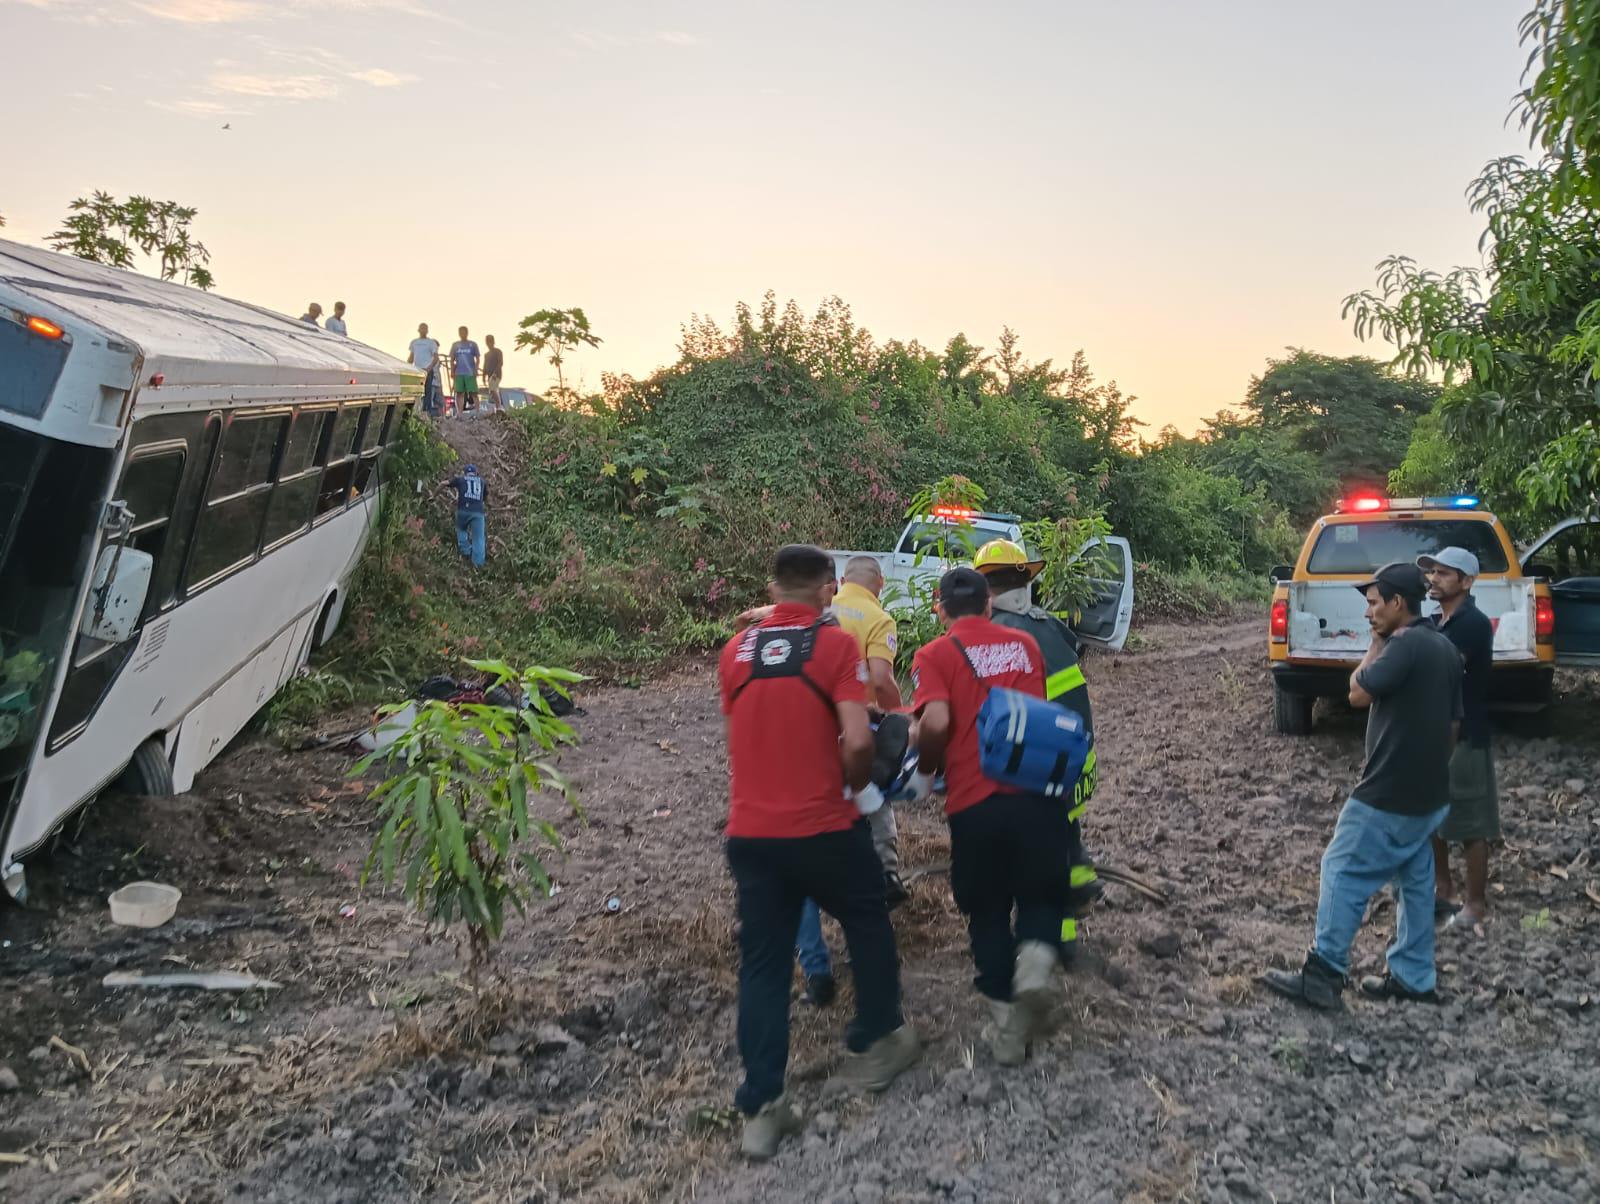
{"type": "Point", "coordinates": [955, 514]}
{"type": "Point", "coordinates": [1363, 503]}
{"type": "Point", "coordinates": [44, 327]}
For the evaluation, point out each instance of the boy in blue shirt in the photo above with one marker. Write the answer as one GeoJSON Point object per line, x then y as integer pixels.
{"type": "Point", "coordinates": [472, 491]}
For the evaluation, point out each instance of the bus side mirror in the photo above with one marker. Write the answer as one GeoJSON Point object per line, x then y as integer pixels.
{"type": "Point", "coordinates": [116, 598]}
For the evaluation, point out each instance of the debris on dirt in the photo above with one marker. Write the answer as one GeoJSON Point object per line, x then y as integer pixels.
{"type": "Point", "coordinates": [9, 1081]}
{"type": "Point", "coordinates": [1480, 1154]}
{"type": "Point", "coordinates": [74, 1055]}
{"type": "Point", "coordinates": [613, 904]}
{"type": "Point", "coordinates": [661, 813]}
{"type": "Point", "coordinates": [144, 904]}
{"type": "Point", "coordinates": [1162, 944]}
{"type": "Point", "coordinates": [347, 912]}
{"type": "Point", "coordinates": [388, 729]}
{"type": "Point", "coordinates": [215, 980]}
{"type": "Point", "coordinates": [552, 1038]}
{"type": "Point", "coordinates": [709, 1118]}
{"type": "Point", "coordinates": [1110, 873]}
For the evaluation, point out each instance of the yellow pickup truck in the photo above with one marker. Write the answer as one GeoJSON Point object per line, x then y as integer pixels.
{"type": "Point", "coordinates": [1544, 611]}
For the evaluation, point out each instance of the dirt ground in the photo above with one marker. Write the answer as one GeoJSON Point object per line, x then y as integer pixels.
{"type": "Point", "coordinates": [376, 1074]}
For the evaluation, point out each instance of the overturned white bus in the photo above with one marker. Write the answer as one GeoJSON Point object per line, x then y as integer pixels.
{"type": "Point", "coordinates": [186, 484]}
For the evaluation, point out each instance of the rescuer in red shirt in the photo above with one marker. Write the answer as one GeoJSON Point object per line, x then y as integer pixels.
{"type": "Point", "coordinates": [794, 694]}
{"type": "Point", "coordinates": [1006, 847]}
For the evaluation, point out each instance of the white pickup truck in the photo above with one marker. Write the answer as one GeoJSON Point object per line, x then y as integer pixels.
{"type": "Point", "coordinates": [915, 561]}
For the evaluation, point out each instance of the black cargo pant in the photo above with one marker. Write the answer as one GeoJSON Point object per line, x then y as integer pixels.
{"type": "Point", "coordinates": [773, 877]}
{"type": "Point", "coordinates": [1007, 853]}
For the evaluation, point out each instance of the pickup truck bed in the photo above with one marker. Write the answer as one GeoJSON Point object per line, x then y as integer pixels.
{"type": "Point", "coordinates": [1327, 620]}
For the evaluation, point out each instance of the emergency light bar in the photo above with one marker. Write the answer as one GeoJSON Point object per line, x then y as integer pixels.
{"type": "Point", "coordinates": [965, 514]}
{"type": "Point", "coordinates": [1372, 503]}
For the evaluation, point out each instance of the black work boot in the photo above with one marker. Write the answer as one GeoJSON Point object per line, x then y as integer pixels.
{"type": "Point", "coordinates": [1387, 986]}
{"type": "Point", "coordinates": [894, 890]}
{"type": "Point", "coordinates": [821, 989]}
{"type": "Point", "coordinates": [1317, 985]}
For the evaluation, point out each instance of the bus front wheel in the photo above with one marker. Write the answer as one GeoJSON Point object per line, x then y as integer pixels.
{"type": "Point", "coordinates": [149, 773]}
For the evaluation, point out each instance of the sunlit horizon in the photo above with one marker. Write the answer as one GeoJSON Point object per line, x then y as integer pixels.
{"type": "Point", "coordinates": [1181, 193]}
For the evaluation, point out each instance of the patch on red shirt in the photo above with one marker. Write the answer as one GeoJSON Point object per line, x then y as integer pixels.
{"type": "Point", "coordinates": [1001, 657]}
{"type": "Point", "coordinates": [783, 740]}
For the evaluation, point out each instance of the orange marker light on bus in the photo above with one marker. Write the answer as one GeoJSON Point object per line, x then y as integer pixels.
{"type": "Point", "coordinates": [44, 327]}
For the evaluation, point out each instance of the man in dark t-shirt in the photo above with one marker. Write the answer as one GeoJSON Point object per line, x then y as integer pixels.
{"type": "Point", "coordinates": [1474, 800]}
{"type": "Point", "coordinates": [1410, 679]}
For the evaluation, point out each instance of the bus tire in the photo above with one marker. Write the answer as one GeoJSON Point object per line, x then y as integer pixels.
{"type": "Point", "coordinates": [149, 773]}
{"type": "Point", "coordinates": [1291, 713]}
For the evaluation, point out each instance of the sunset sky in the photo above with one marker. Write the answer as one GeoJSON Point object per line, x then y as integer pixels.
{"type": "Point", "coordinates": [1179, 189]}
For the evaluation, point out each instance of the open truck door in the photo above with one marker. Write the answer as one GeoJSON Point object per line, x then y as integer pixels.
{"type": "Point", "coordinates": [1106, 617]}
{"type": "Point", "coordinates": [1568, 557]}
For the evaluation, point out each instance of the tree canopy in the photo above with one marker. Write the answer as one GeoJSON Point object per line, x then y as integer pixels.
{"type": "Point", "coordinates": [102, 229]}
{"type": "Point", "coordinates": [1518, 341]}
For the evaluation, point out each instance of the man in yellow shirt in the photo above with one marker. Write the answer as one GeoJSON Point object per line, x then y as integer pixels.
{"type": "Point", "coordinates": [859, 612]}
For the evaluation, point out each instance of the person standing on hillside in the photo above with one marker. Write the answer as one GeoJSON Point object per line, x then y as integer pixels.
{"type": "Point", "coordinates": [336, 322]}
{"type": "Point", "coordinates": [1410, 679]}
{"type": "Point", "coordinates": [1006, 847]}
{"type": "Point", "coordinates": [794, 696]}
{"type": "Point", "coordinates": [464, 367]}
{"type": "Point", "coordinates": [425, 359]}
{"type": "Point", "coordinates": [859, 613]}
{"type": "Point", "coordinates": [1474, 818]}
{"type": "Point", "coordinates": [1011, 574]}
{"type": "Point", "coordinates": [472, 493]}
{"type": "Point", "coordinates": [494, 363]}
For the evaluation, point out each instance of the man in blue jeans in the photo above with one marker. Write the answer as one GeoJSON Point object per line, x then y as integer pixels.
{"type": "Point", "coordinates": [1410, 679]}
{"type": "Point", "coordinates": [471, 493]}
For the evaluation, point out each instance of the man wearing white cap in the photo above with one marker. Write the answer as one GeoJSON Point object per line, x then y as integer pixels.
{"type": "Point", "coordinates": [1474, 818]}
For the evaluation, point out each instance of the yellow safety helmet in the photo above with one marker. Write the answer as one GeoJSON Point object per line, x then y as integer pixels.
{"type": "Point", "coordinates": [1000, 554]}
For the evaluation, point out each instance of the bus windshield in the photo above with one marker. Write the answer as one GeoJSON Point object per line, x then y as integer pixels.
{"type": "Point", "coordinates": [49, 496]}
{"type": "Point", "coordinates": [33, 364]}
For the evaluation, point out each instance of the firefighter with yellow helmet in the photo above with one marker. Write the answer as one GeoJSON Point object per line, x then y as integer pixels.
{"type": "Point", "coordinates": [1011, 572]}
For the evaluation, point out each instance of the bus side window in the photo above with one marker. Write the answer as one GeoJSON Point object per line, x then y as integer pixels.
{"type": "Point", "coordinates": [372, 448]}
{"type": "Point", "coordinates": [150, 490]}
{"type": "Point", "coordinates": [228, 535]}
{"type": "Point", "coordinates": [341, 470]}
{"type": "Point", "coordinates": [299, 475]}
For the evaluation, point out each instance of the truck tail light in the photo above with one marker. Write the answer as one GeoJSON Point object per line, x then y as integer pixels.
{"type": "Point", "coordinates": [1544, 620]}
{"type": "Point", "coordinates": [1278, 628]}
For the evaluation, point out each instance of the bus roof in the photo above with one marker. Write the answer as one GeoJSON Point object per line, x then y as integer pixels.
{"type": "Point", "coordinates": [190, 336]}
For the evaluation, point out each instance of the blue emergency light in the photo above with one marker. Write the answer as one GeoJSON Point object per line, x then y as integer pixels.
{"type": "Point", "coordinates": [1456, 501]}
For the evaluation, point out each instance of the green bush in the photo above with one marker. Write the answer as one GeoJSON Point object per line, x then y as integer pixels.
{"type": "Point", "coordinates": [1195, 593]}
{"type": "Point", "coordinates": [1177, 514]}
